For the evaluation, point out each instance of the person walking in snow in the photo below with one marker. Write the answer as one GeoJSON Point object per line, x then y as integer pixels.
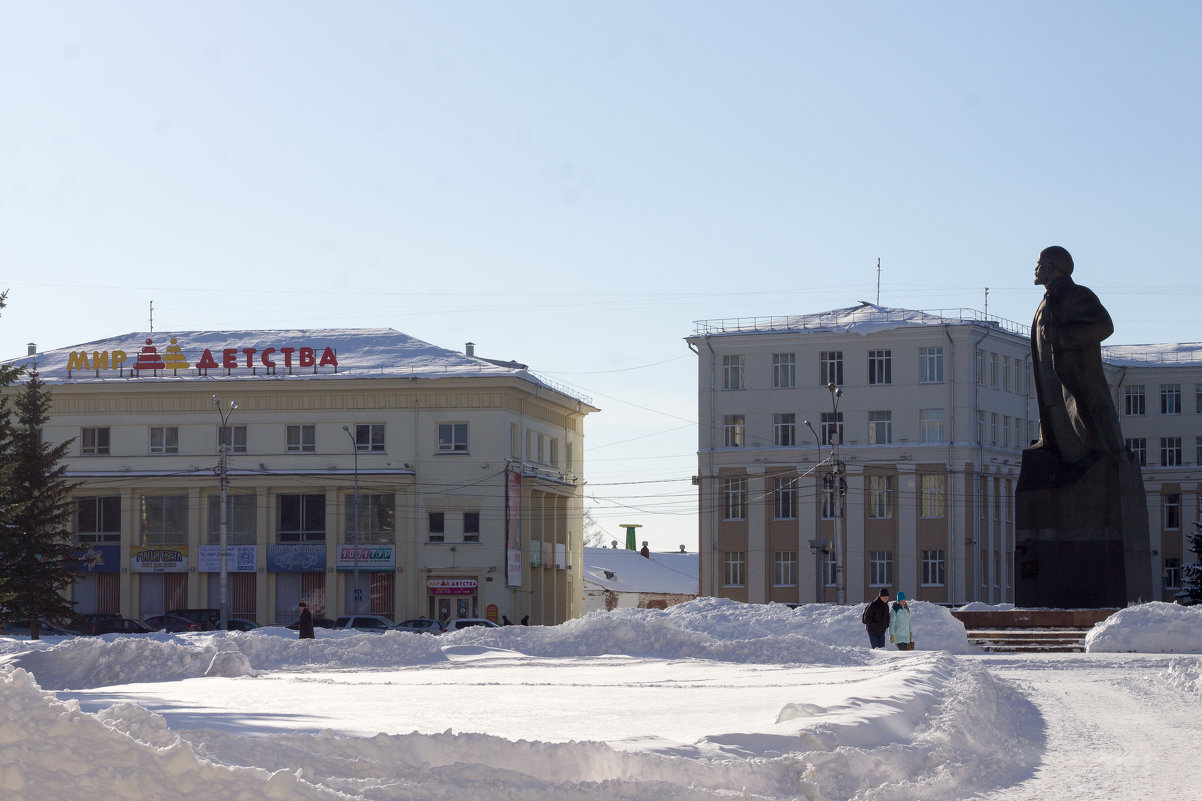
{"type": "Point", "coordinates": [305, 624]}
{"type": "Point", "coordinates": [900, 632]}
{"type": "Point", "coordinates": [876, 619]}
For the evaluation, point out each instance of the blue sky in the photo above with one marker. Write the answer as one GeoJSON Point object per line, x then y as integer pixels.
{"type": "Point", "coordinates": [572, 185]}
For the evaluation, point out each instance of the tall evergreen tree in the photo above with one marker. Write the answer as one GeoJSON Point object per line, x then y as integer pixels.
{"type": "Point", "coordinates": [37, 553]}
{"type": "Point", "coordinates": [1191, 575]}
{"type": "Point", "coordinates": [8, 376]}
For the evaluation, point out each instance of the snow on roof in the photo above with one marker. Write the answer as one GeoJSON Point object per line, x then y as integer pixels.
{"type": "Point", "coordinates": [1162, 355]}
{"type": "Point", "coordinates": [864, 319]}
{"type": "Point", "coordinates": [336, 353]}
{"type": "Point", "coordinates": [673, 572]}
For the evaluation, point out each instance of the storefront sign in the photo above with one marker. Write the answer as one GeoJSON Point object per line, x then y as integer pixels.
{"type": "Point", "coordinates": [448, 586]}
{"type": "Point", "coordinates": [548, 555]}
{"type": "Point", "coordinates": [296, 558]}
{"type": "Point", "coordinates": [174, 358]}
{"type": "Point", "coordinates": [492, 613]}
{"type": "Point", "coordinates": [108, 558]}
{"type": "Point", "coordinates": [371, 557]}
{"type": "Point", "coordinates": [238, 559]}
{"type": "Point", "coordinates": [159, 559]}
{"type": "Point", "coordinates": [536, 553]}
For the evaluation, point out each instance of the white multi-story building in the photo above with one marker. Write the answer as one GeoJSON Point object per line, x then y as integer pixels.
{"type": "Point", "coordinates": [465, 473]}
{"type": "Point", "coordinates": [932, 412]}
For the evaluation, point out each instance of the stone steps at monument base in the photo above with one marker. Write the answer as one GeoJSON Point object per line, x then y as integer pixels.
{"type": "Point", "coordinates": [1025, 640]}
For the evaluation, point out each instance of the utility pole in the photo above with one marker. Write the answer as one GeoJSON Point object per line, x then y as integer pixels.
{"type": "Point", "coordinates": [838, 487]}
{"type": "Point", "coordinates": [356, 593]}
{"type": "Point", "coordinates": [223, 472]}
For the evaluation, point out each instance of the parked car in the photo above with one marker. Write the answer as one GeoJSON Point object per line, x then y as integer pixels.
{"type": "Point", "coordinates": [20, 628]}
{"type": "Point", "coordinates": [205, 619]}
{"type": "Point", "coordinates": [421, 625]}
{"type": "Point", "coordinates": [468, 622]}
{"type": "Point", "coordinates": [372, 623]}
{"type": "Point", "coordinates": [172, 623]}
{"type": "Point", "coordinates": [318, 623]}
{"type": "Point", "coordinates": [119, 625]}
{"type": "Point", "coordinates": [240, 624]}
{"type": "Point", "coordinates": [82, 624]}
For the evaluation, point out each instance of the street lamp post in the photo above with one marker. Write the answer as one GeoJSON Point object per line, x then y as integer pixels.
{"type": "Point", "coordinates": [355, 594]}
{"type": "Point", "coordinates": [838, 487]}
{"type": "Point", "coordinates": [223, 470]}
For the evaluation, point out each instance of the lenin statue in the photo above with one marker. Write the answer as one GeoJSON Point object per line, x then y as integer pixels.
{"type": "Point", "coordinates": [1081, 522]}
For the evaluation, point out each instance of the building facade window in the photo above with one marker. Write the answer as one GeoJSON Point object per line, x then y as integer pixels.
{"type": "Point", "coordinates": [301, 518]}
{"type": "Point", "coordinates": [1018, 375]}
{"type": "Point", "coordinates": [1006, 373]}
{"type": "Point", "coordinates": [377, 518]}
{"type": "Point", "coordinates": [94, 441]}
{"type": "Point", "coordinates": [830, 368]}
{"type": "Point", "coordinates": [784, 498]}
{"type": "Point", "coordinates": [369, 437]}
{"type": "Point", "coordinates": [471, 526]}
{"type": "Point", "coordinates": [1198, 398]}
{"type": "Point", "coordinates": [880, 367]}
{"type": "Point", "coordinates": [1170, 399]}
{"type": "Point", "coordinates": [930, 425]}
{"type": "Point", "coordinates": [981, 367]}
{"type": "Point", "coordinates": [242, 519]}
{"type": "Point", "coordinates": [1170, 451]}
{"type": "Point", "coordinates": [1172, 573]}
{"type": "Point", "coordinates": [1139, 447]}
{"type": "Point", "coordinates": [880, 497]}
{"type": "Point", "coordinates": [933, 495]}
{"type": "Point", "coordinates": [302, 439]}
{"type": "Point", "coordinates": [829, 499]}
{"type": "Point", "coordinates": [880, 568]}
{"type": "Point", "coordinates": [734, 498]}
{"type": "Point", "coordinates": [163, 519]}
{"type": "Point", "coordinates": [1172, 511]}
{"type": "Point", "coordinates": [232, 437]}
{"type": "Point", "coordinates": [784, 371]}
{"type": "Point", "coordinates": [1197, 450]}
{"type": "Point", "coordinates": [980, 427]}
{"type": "Point", "coordinates": [930, 365]}
{"type": "Point", "coordinates": [784, 569]}
{"type": "Point", "coordinates": [732, 372]}
{"type": "Point", "coordinates": [734, 429]}
{"type": "Point", "coordinates": [436, 525]}
{"type": "Point", "coordinates": [832, 426]}
{"type": "Point", "coordinates": [993, 371]}
{"type": "Point", "coordinates": [164, 439]}
{"type": "Point", "coordinates": [993, 428]}
{"type": "Point", "coordinates": [880, 428]}
{"type": "Point", "coordinates": [98, 518]}
{"type": "Point", "coordinates": [452, 437]}
{"type": "Point", "coordinates": [1005, 438]}
{"type": "Point", "coordinates": [1134, 402]}
{"type": "Point", "coordinates": [830, 569]}
{"type": "Point", "coordinates": [734, 569]}
{"type": "Point", "coordinates": [934, 568]}
{"type": "Point", "coordinates": [784, 430]}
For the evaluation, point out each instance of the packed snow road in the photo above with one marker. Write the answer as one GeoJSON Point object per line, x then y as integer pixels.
{"type": "Point", "coordinates": [1115, 726]}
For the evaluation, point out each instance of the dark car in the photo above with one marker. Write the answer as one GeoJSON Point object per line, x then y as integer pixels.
{"type": "Point", "coordinates": [82, 624]}
{"type": "Point", "coordinates": [20, 628]}
{"type": "Point", "coordinates": [119, 625]}
{"type": "Point", "coordinates": [240, 624]}
{"type": "Point", "coordinates": [172, 623]}
{"type": "Point", "coordinates": [318, 623]}
{"type": "Point", "coordinates": [205, 619]}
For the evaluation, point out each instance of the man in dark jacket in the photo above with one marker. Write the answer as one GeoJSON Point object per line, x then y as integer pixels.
{"type": "Point", "coordinates": [876, 620]}
{"type": "Point", "coordinates": [305, 626]}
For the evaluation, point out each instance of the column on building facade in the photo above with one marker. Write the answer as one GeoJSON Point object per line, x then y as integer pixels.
{"type": "Point", "coordinates": [854, 555]}
{"type": "Point", "coordinates": [197, 581]}
{"type": "Point", "coordinates": [758, 575]}
{"type": "Point", "coordinates": [907, 577]}
{"type": "Point", "coordinates": [128, 590]}
{"type": "Point", "coordinates": [265, 613]}
{"type": "Point", "coordinates": [559, 505]}
{"type": "Point", "coordinates": [1006, 583]}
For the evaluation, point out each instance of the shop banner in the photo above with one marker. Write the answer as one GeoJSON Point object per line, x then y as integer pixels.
{"type": "Point", "coordinates": [448, 586]}
{"type": "Point", "coordinates": [238, 559]}
{"type": "Point", "coordinates": [548, 555]}
{"type": "Point", "coordinates": [108, 558]}
{"type": "Point", "coordinates": [158, 559]}
{"type": "Point", "coordinates": [536, 553]}
{"type": "Point", "coordinates": [296, 558]}
{"type": "Point", "coordinates": [372, 558]}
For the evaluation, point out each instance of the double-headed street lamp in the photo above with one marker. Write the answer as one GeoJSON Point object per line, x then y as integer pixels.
{"type": "Point", "coordinates": [356, 593]}
{"type": "Point", "coordinates": [834, 483]}
{"type": "Point", "coordinates": [223, 472]}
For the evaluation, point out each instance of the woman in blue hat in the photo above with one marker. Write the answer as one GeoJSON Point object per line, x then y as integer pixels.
{"type": "Point", "coordinates": [900, 633]}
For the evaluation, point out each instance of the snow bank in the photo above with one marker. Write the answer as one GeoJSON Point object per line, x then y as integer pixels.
{"type": "Point", "coordinates": [1151, 628]}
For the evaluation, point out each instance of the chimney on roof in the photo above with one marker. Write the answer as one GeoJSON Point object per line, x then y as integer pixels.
{"type": "Point", "coordinates": [33, 349]}
{"type": "Point", "coordinates": [470, 349]}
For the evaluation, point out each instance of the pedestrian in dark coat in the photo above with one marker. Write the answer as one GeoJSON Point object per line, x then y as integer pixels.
{"type": "Point", "coordinates": [305, 626]}
{"type": "Point", "coordinates": [876, 620]}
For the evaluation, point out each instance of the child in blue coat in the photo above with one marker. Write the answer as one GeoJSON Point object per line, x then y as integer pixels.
{"type": "Point", "coordinates": [900, 632]}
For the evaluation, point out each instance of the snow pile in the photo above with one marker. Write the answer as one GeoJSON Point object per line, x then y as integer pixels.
{"type": "Point", "coordinates": [1151, 628]}
{"type": "Point", "coordinates": [1185, 675]}
{"type": "Point", "coordinates": [981, 606]}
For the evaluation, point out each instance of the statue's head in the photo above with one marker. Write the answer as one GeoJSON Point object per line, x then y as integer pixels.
{"type": "Point", "coordinates": [1053, 263]}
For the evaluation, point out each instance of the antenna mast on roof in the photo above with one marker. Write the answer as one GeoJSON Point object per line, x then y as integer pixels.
{"type": "Point", "coordinates": [878, 281]}
{"type": "Point", "coordinates": [986, 303]}
{"type": "Point", "coordinates": [152, 316]}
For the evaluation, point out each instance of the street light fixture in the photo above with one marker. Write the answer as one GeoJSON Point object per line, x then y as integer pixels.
{"type": "Point", "coordinates": [356, 594]}
{"type": "Point", "coordinates": [223, 470]}
{"type": "Point", "coordinates": [838, 487]}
